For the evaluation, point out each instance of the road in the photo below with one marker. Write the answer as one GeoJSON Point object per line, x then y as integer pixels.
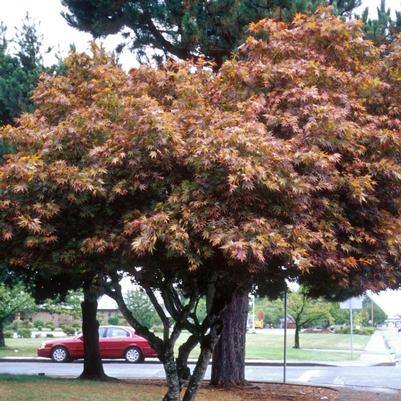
{"type": "Point", "coordinates": [375, 377]}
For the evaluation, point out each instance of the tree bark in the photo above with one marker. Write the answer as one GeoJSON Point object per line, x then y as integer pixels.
{"type": "Point", "coordinates": [228, 368]}
{"type": "Point", "coordinates": [207, 345]}
{"type": "Point", "coordinates": [296, 338]}
{"type": "Point", "coordinates": [172, 378]}
{"type": "Point", "coordinates": [2, 341]}
{"type": "Point", "coordinates": [93, 367]}
{"type": "Point", "coordinates": [184, 350]}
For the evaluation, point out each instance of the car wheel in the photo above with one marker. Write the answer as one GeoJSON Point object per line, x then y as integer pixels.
{"type": "Point", "coordinates": [133, 355]}
{"type": "Point", "coordinates": [59, 354]}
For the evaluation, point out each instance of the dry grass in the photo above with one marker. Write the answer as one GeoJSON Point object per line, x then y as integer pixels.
{"type": "Point", "coordinates": [33, 388]}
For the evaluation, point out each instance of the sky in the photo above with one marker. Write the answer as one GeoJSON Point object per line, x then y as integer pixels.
{"type": "Point", "coordinates": [59, 35]}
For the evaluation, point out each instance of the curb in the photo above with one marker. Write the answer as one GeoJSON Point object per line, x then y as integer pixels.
{"type": "Point", "coordinates": [155, 361]}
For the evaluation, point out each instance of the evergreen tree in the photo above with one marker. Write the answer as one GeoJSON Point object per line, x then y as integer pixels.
{"type": "Point", "coordinates": [383, 28]}
{"type": "Point", "coordinates": [185, 29]}
{"type": "Point", "coordinates": [19, 72]}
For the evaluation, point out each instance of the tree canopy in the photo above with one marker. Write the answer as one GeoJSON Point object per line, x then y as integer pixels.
{"type": "Point", "coordinates": [13, 299]}
{"type": "Point", "coordinates": [185, 29]}
{"type": "Point", "coordinates": [284, 164]}
{"type": "Point", "coordinates": [306, 312]}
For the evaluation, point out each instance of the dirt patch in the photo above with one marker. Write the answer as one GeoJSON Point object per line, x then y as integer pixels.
{"type": "Point", "coordinates": [287, 392]}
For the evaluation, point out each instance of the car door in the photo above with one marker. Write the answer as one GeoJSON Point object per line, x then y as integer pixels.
{"type": "Point", "coordinates": [76, 347]}
{"type": "Point", "coordinates": [114, 343]}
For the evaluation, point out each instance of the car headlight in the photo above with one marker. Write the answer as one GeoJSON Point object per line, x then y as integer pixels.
{"type": "Point", "coordinates": [44, 345]}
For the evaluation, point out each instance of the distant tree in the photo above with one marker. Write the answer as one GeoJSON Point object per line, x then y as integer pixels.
{"type": "Point", "coordinates": [141, 307]}
{"type": "Point", "coordinates": [383, 28]}
{"type": "Point", "coordinates": [340, 316]}
{"type": "Point", "coordinates": [19, 71]}
{"type": "Point", "coordinates": [371, 313]}
{"type": "Point", "coordinates": [13, 299]}
{"type": "Point", "coordinates": [307, 312]}
{"type": "Point", "coordinates": [68, 304]}
{"type": "Point", "coordinates": [29, 45]}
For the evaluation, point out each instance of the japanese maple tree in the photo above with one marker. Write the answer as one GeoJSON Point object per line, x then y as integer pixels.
{"type": "Point", "coordinates": [285, 164]}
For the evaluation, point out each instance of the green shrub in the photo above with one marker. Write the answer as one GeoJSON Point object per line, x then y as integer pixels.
{"type": "Point", "coordinates": [24, 333]}
{"type": "Point", "coordinates": [38, 324]}
{"type": "Point", "coordinates": [49, 335]}
{"type": "Point", "coordinates": [15, 325]}
{"type": "Point", "coordinates": [27, 324]}
{"type": "Point", "coordinates": [76, 326]}
{"type": "Point", "coordinates": [69, 330]}
{"type": "Point", "coordinates": [50, 325]}
{"type": "Point", "coordinates": [114, 320]}
{"type": "Point", "coordinates": [8, 334]}
{"type": "Point", "coordinates": [366, 331]}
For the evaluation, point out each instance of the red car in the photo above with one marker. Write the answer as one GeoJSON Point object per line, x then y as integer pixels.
{"type": "Point", "coordinates": [114, 342]}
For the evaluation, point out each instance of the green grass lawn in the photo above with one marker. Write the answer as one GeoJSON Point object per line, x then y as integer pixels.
{"type": "Point", "coordinates": [34, 388]}
{"type": "Point", "coordinates": [315, 347]}
{"type": "Point", "coordinates": [22, 346]}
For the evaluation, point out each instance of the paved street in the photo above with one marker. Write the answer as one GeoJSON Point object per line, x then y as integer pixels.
{"type": "Point", "coordinates": [383, 348]}
{"type": "Point", "coordinates": [377, 376]}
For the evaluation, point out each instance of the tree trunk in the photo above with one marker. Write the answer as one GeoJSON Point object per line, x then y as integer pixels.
{"type": "Point", "coordinates": [184, 350]}
{"type": "Point", "coordinates": [296, 338]}
{"type": "Point", "coordinates": [207, 345]}
{"type": "Point", "coordinates": [2, 341]}
{"type": "Point", "coordinates": [228, 368]}
{"type": "Point", "coordinates": [93, 367]}
{"type": "Point", "coordinates": [172, 378]}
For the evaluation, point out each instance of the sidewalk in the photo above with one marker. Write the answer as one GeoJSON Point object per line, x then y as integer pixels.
{"type": "Point", "coordinates": [392, 339]}
{"type": "Point", "coordinates": [377, 352]}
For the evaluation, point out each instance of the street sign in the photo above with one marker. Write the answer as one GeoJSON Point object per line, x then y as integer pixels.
{"type": "Point", "coordinates": [352, 303]}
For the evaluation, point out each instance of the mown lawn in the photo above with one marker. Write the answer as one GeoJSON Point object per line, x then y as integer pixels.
{"type": "Point", "coordinates": [315, 347]}
{"type": "Point", "coordinates": [21, 346]}
{"type": "Point", "coordinates": [34, 388]}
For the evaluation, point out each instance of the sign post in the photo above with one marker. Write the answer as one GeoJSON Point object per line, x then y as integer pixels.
{"type": "Point", "coordinates": [352, 303]}
{"type": "Point", "coordinates": [285, 339]}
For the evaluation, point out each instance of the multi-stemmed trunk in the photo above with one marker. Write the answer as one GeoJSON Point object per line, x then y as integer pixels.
{"type": "Point", "coordinates": [206, 333]}
{"type": "Point", "coordinates": [93, 367]}
{"type": "Point", "coordinates": [228, 366]}
{"type": "Point", "coordinates": [207, 345]}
